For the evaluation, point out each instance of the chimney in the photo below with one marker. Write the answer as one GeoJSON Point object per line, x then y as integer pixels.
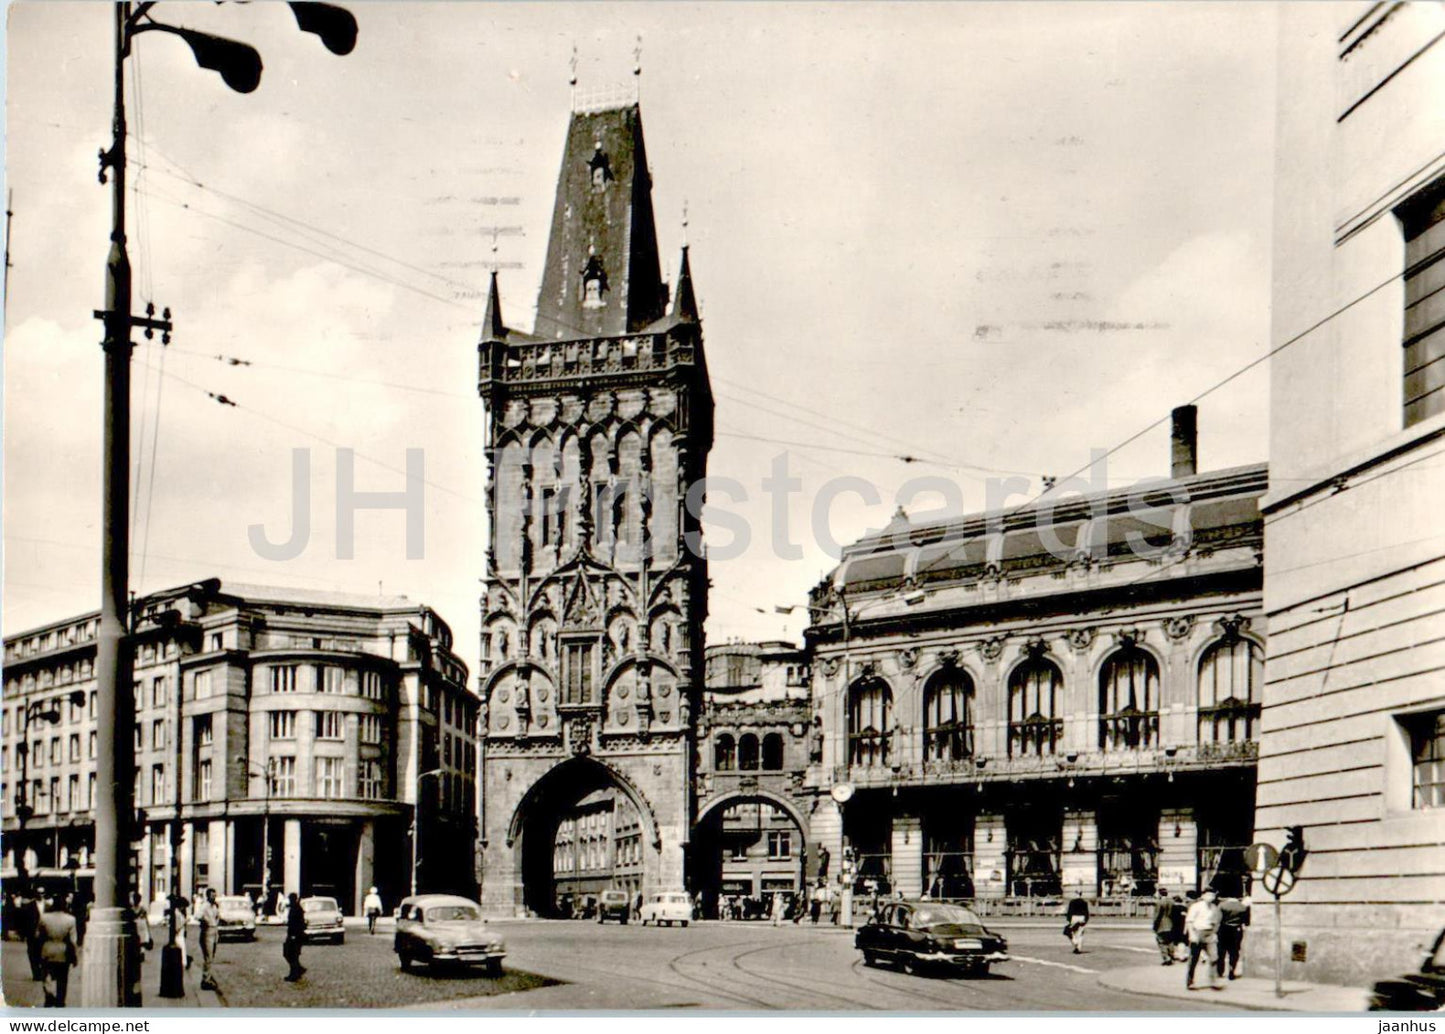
{"type": "Point", "coordinates": [1184, 442]}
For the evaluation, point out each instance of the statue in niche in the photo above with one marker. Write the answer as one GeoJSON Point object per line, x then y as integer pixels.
{"type": "Point", "coordinates": [815, 740]}
{"type": "Point", "coordinates": [503, 644]}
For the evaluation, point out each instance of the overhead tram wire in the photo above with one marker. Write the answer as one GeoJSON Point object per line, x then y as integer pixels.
{"type": "Point", "coordinates": [913, 455]}
{"type": "Point", "coordinates": [1271, 353]}
{"type": "Point", "coordinates": [227, 401]}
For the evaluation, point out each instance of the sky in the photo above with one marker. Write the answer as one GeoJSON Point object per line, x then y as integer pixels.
{"type": "Point", "coordinates": [957, 241]}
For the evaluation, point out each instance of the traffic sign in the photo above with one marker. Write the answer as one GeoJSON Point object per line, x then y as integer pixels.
{"type": "Point", "coordinates": [1260, 858]}
{"type": "Point", "coordinates": [1278, 881]}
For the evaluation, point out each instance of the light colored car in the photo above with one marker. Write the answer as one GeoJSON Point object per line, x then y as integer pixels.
{"type": "Point", "coordinates": [238, 918]}
{"type": "Point", "coordinates": [614, 904]}
{"type": "Point", "coordinates": [441, 929]}
{"type": "Point", "coordinates": [669, 906]}
{"type": "Point", "coordinates": [323, 920]}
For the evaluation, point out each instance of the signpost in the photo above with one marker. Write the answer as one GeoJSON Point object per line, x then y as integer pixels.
{"type": "Point", "coordinates": [1278, 879]}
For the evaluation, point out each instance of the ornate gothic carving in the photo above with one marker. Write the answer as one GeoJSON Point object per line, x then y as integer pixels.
{"type": "Point", "coordinates": [1232, 627]}
{"type": "Point", "coordinates": [1081, 638]}
{"type": "Point", "coordinates": [991, 649]}
{"type": "Point", "coordinates": [907, 657]}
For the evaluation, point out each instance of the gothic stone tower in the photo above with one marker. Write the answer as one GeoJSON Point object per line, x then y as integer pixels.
{"type": "Point", "coordinates": [598, 423]}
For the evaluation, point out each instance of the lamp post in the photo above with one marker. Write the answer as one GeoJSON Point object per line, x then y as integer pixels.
{"type": "Point", "coordinates": [416, 856]}
{"type": "Point", "coordinates": [111, 974]}
{"type": "Point", "coordinates": [47, 710]}
{"type": "Point", "coordinates": [265, 775]}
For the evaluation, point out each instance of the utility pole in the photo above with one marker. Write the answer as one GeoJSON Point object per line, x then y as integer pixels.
{"type": "Point", "coordinates": [111, 974]}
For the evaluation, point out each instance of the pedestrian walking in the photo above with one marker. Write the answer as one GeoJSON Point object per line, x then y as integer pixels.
{"type": "Point", "coordinates": [30, 911]}
{"type": "Point", "coordinates": [209, 914]}
{"type": "Point", "coordinates": [142, 925]}
{"type": "Point", "coordinates": [59, 950]}
{"type": "Point", "coordinates": [780, 906]}
{"type": "Point", "coordinates": [371, 905]}
{"type": "Point", "coordinates": [1202, 927]}
{"type": "Point", "coordinates": [295, 935]}
{"type": "Point", "coordinates": [815, 907]}
{"type": "Point", "coordinates": [1164, 928]}
{"type": "Point", "coordinates": [1234, 917]}
{"type": "Point", "coordinates": [178, 914]}
{"type": "Point", "coordinates": [835, 905]}
{"type": "Point", "coordinates": [1178, 909]}
{"type": "Point", "coordinates": [1076, 917]}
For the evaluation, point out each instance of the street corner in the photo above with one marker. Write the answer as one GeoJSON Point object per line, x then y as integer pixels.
{"type": "Point", "coordinates": [1247, 993]}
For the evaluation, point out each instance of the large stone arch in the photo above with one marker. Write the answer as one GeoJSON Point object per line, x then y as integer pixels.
{"type": "Point", "coordinates": [719, 876]}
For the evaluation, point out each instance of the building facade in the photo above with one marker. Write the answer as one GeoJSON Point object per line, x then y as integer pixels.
{"type": "Point", "coordinates": [750, 840]}
{"type": "Point", "coordinates": [297, 741]}
{"type": "Point", "coordinates": [1353, 743]}
{"type": "Point", "coordinates": [598, 424]}
{"type": "Point", "coordinates": [1046, 700]}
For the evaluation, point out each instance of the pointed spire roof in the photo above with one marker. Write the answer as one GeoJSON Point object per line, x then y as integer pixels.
{"type": "Point", "coordinates": [684, 302]}
{"type": "Point", "coordinates": [602, 277]}
{"type": "Point", "coordinates": [493, 329]}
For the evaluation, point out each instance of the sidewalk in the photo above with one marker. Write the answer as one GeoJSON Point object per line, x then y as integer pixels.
{"type": "Point", "coordinates": [23, 993]}
{"type": "Point", "coordinates": [1244, 993]}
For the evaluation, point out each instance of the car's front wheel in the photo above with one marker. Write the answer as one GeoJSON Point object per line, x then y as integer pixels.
{"type": "Point", "coordinates": [492, 967]}
{"type": "Point", "coordinates": [870, 958]}
{"type": "Point", "coordinates": [910, 965]}
{"type": "Point", "coordinates": [405, 960]}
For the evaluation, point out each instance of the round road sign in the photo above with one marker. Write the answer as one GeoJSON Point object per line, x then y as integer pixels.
{"type": "Point", "coordinates": [1278, 881]}
{"type": "Point", "coordinates": [1260, 857]}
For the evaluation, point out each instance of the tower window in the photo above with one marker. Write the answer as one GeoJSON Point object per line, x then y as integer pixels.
{"type": "Point", "coordinates": [601, 168]}
{"type": "Point", "coordinates": [594, 284]}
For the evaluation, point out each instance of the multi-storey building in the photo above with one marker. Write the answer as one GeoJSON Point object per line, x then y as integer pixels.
{"type": "Point", "coordinates": [1052, 698]}
{"type": "Point", "coordinates": [285, 739]}
{"type": "Point", "coordinates": [754, 732]}
{"type": "Point", "coordinates": [598, 423]}
{"type": "Point", "coordinates": [1353, 744]}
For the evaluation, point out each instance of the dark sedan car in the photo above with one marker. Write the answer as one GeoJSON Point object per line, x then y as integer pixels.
{"type": "Point", "coordinates": [1423, 991]}
{"type": "Point", "coordinates": [920, 934]}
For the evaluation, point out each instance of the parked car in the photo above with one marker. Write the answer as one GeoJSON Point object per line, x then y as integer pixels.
{"type": "Point", "coordinates": [323, 920]}
{"type": "Point", "coordinates": [918, 934]}
{"type": "Point", "coordinates": [439, 929]}
{"type": "Point", "coordinates": [669, 906]}
{"type": "Point", "coordinates": [614, 904]}
{"type": "Point", "coordinates": [1423, 991]}
{"type": "Point", "coordinates": [238, 918]}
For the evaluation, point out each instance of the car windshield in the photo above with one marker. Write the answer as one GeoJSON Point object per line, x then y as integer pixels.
{"type": "Point", "coordinates": [672, 899]}
{"type": "Point", "coordinates": [319, 905]}
{"type": "Point", "coordinates": [938, 915]}
{"type": "Point", "coordinates": [452, 914]}
{"type": "Point", "coordinates": [235, 903]}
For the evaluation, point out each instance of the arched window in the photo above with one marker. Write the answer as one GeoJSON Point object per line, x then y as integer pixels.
{"type": "Point", "coordinates": [724, 754]}
{"type": "Point", "coordinates": [773, 752]}
{"type": "Point", "coordinates": [1230, 675]}
{"type": "Point", "coordinates": [1034, 725]}
{"type": "Point", "coordinates": [1129, 700]}
{"type": "Point", "coordinates": [870, 722]}
{"type": "Point", "coordinates": [747, 752]}
{"type": "Point", "coordinates": [948, 716]}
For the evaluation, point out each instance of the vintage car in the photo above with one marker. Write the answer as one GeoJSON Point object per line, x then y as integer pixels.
{"type": "Point", "coordinates": [323, 920]}
{"type": "Point", "coordinates": [669, 906]}
{"type": "Point", "coordinates": [614, 904]}
{"type": "Point", "coordinates": [1422, 991]}
{"type": "Point", "coordinates": [916, 935]}
{"type": "Point", "coordinates": [441, 929]}
{"type": "Point", "coordinates": [238, 918]}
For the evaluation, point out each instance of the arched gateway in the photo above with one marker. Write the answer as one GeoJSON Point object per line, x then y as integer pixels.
{"type": "Point", "coordinates": [598, 423]}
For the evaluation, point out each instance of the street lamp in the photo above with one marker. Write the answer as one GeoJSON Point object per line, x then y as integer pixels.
{"type": "Point", "coordinates": [265, 775]}
{"type": "Point", "coordinates": [111, 974]}
{"type": "Point", "coordinates": [47, 710]}
{"type": "Point", "coordinates": [416, 856]}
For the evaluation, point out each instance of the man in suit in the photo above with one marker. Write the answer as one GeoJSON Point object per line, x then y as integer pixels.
{"type": "Point", "coordinates": [295, 937]}
{"type": "Point", "coordinates": [59, 950]}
